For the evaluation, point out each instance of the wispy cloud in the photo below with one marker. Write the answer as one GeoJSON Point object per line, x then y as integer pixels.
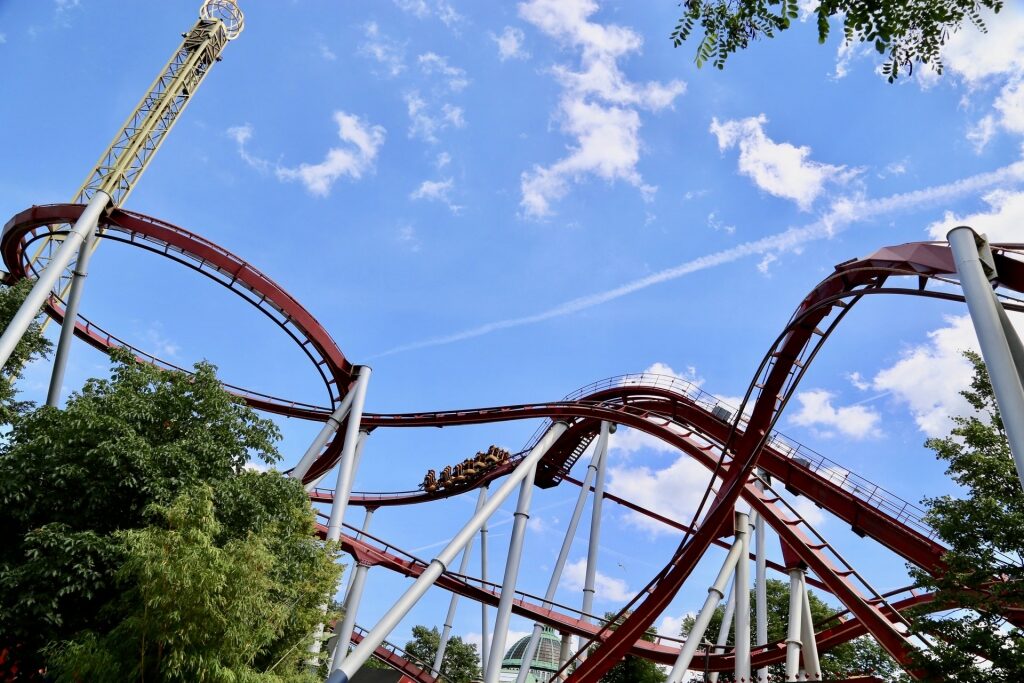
{"type": "Point", "coordinates": [843, 213]}
{"type": "Point", "coordinates": [437, 191]}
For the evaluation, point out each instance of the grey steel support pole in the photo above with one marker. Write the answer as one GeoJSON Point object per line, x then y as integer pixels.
{"type": "Point", "coordinates": [33, 304]}
{"type": "Point", "coordinates": [715, 594]}
{"type": "Point", "coordinates": [351, 451]}
{"type": "Point", "coordinates": [760, 587]}
{"type": "Point", "coordinates": [439, 565]}
{"type": "Point", "coordinates": [590, 582]}
{"type": "Point", "coordinates": [724, 629]}
{"type": "Point", "coordinates": [352, 598]}
{"type": "Point", "coordinates": [793, 633]}
{"type": "Point", "coordinates": [563, 555]}
{"type": "Point", "coordinates": [326, 432]}
{"type": "Point", "coordinates": [564, 648]}
{"type": "Point", "coordinates": [741, 631]}
{"type": "Point", "coordinates": [354, 437]}
{"type": "Point", "coordinates": [67, 328]}
{"type": "Point", "coordinates": [450, 617]}
{"type": "Point", "coordinates": [812, 666]}
{"type": "Point", "coordinates": [994, 337]}
{"type": "Point", "coordinates": [348, 622]}
{"type": "Point", "coordinates": [508, 583]}
{"type": "Point", "coordinates": [485, 622]}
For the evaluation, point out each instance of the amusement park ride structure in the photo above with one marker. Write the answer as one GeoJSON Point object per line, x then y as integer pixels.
{"type": "Point", "coordinates": [746, 458]}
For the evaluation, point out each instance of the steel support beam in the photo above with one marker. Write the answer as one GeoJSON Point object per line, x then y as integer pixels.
{"type": "Point", "coordinates": [971, 254]}
{"type": "Point", "coordinates": [332, 425]}
{"type": "Point", "coordinates": [794, 633]}
{"type": "Point", "coordinates": [812, 666]}
{"type": "Point", "coordinates": [760, 585]}
{"type": "Point", "coordinates": [563, 555]}
{"type": "Point", "coordinates": [724, 630]}
{"type": "Point", "coordinates": [741, 630]}
{"type": "Point", "coordinates": [715, 594]}
{"type": "Point", "coordinates": [67, 328]}
{"type": "Point", "coordinates": [508, 584]}
{"type": "Point", "coordinates": [439, 564]}
{"type": "Point", "coordinates": [352, 598]}
{"type": "Point", "coordinates": [485, 625]}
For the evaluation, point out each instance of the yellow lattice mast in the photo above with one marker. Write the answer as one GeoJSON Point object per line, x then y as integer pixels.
{"type": "Point", "coordinates": [118, 171]}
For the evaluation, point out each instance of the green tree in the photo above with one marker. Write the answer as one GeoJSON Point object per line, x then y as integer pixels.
{"type": "Point", "coordinates": [860, 656]}
{"type": "Point", "coordinates": [907, 32]}
{"type": "Point", "coordinates": [634, 669]}
{"type": "Point", "coordinates": [92, 494]}
{"type": "Point", "coordinates": [461, 663]}
{"type": "Point", "coordinates": [984, 531]}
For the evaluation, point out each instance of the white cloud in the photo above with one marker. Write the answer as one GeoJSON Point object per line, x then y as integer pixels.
{"type": "Point", "coordinates": [406, 236]}
{"type": "Point", "coordinates": [433, 63]}
{"type": "Point", "coordinates": [626, 441]}
{"type": "Point", "coordinates": [980, 134]}
{"type": "Point", "coordinates": [671, 626]}
{"type": "Point", "coordinates": [353, 160]}
{"type": "Point", "coordinates": [3, 38]}
{"type": "Point", "coordinates": [510, 44]}
{"type": "Point", "coordinates": [975, 56]}
{"type": "Point", "coordinates": [673, 491]}
{"type": "Point", "coordinates": [241, 135]}
{"type": "Point", "coordinates": [443, 159]}
{"type": "Point", "coordinates": [1010, 105]}
{"type": "Point", "coordinates": [1002, 223]}
{"type": "Point", "coordinates": [384, 50]}
{"type": "Point", "coordinates": [929, 377]}
{"type": "Point", "coordinates": [598, 107]}
{"type": "Point", "coordinates": [606, 588]}
{"type": "Point", "coordinates": [810, 512]}
{"type": "Point", "coordinates": [448, 15]}
{"type": "Point", "coordinates": [436, 191]}
{"type": "Point", "coordinates": [857, 380]}
{"type": "Point", "coordinates": [817, 410]}
{"type": "Point", "coordinates": [426, 125]}
{"type": "Point", "coordinates": [715, 224]}
{"type": "Point", "coordinates": [327, 54]}
{"type": "Point", "coordinates": [417, 8]}
{"type": "Point", "coordinates": [778, 168]}
{"type": "Point", "coordinates": [766, 262]}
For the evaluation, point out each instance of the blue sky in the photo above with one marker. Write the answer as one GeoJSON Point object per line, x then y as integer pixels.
{"type": "Point", "coordinates": [498, 204]}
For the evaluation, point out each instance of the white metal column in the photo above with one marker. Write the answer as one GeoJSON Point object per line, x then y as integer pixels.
{"type": "Point", "coordinates": [812, 666]}
{"type": "Point", "coordinates": [439, 564]}
{"type": "Point", "coordinates": [67, 328]}
{"type": "Point", "coordinates": [485, 625]}
{"type": "Point", "coordinates": [994, 337]}
{"type": "Point", "coordinates": [355, 595]}
{"type": "Point", "coordinates": [741, 630]}
{"type": "Point", "coordinates": [715, 594]}
{"type": "Point", "coordinates": [793, 633]}
{"type": "Point", "coordinates": [508, 584]}
{"type": "Point", "coordinates": [563, 555]}
{"type": "Point", "coordinates": [760, 585]}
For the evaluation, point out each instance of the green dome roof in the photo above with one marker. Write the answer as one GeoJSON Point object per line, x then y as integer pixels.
{"type": "Point", "coordinates": [546, 657]}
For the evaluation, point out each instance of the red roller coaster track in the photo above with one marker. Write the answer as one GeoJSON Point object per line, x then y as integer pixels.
{"type": "Point", "coordinates": [668, 409]}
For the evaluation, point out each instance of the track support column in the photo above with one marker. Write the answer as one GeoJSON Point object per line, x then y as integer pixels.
{"type": "Point", "coordinates": [508, 584]}
{"type": "Point", "coordinates": [741, 631]}
{"type": "Point", "coordinates": [67, 328]}
{"type": "Point", "coordinates": [724, 630]}
{"type": "Point", "coordinates": [352, 598]}
{"type": "Point", "coordinates": [589, 585]}
{"type": "Point", "coordinates": [332, 425]}
{"type": "Point", "coordinates": [715, 594]}
{"type": "Point", "coordinates": [563, 555]}
{"type": "Point", "coordinates": [812, 666]}
{"type": "Point", "coordinates": [793, 633]}
{"type": "Point", "coordinates": [33, 304]}
{"type": "Point", "coordinates": [485, 625]}
{"type": "Point", "coordinates": [439, 564]}
{"type": "Point", "coordinates": [760, 585]}
{"type": "Point", "coordinates": [1000, 346]}
{"type": "Point", "coordinates": [450, 617]}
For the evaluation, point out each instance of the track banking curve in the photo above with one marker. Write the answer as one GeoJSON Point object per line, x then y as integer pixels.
{"type": "Point", "coordinates": [731, 449]}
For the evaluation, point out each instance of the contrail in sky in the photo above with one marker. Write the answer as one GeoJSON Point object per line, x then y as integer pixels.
{"type": "Point", "coordinates": [843, 213]}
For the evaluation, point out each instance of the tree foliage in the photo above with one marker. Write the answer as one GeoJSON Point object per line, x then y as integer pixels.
{"type": "Point", "coordinates": [860, 656]}
{"type": "Point", "coordinates": [634, 669]}
{"type": "Point", "coordinates": [907, 32]}
{"type": "Point", "coordinates": [134, 542]}
{"type": "Point", "coordinates": [461, 663]}
{"type": "Point", "coordinates": [984, 531]}
{"type": "Point", "coordinates": [33, 345]}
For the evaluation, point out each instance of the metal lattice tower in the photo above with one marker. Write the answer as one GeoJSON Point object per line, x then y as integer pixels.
{"type": "Point", "coordinates": [123, 162]}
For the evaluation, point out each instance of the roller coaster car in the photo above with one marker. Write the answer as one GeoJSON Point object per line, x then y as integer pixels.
{"type": "Point", "coordinates": [430, 481]}
{"type": "Point", "coordinates": [470, 467]}
{"type": "Point", "coordinates": [492, 456]}
{"type": "Point", "coordinates": [458, 476]}
{"type": "Point", "coordinates": [446, 475]}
